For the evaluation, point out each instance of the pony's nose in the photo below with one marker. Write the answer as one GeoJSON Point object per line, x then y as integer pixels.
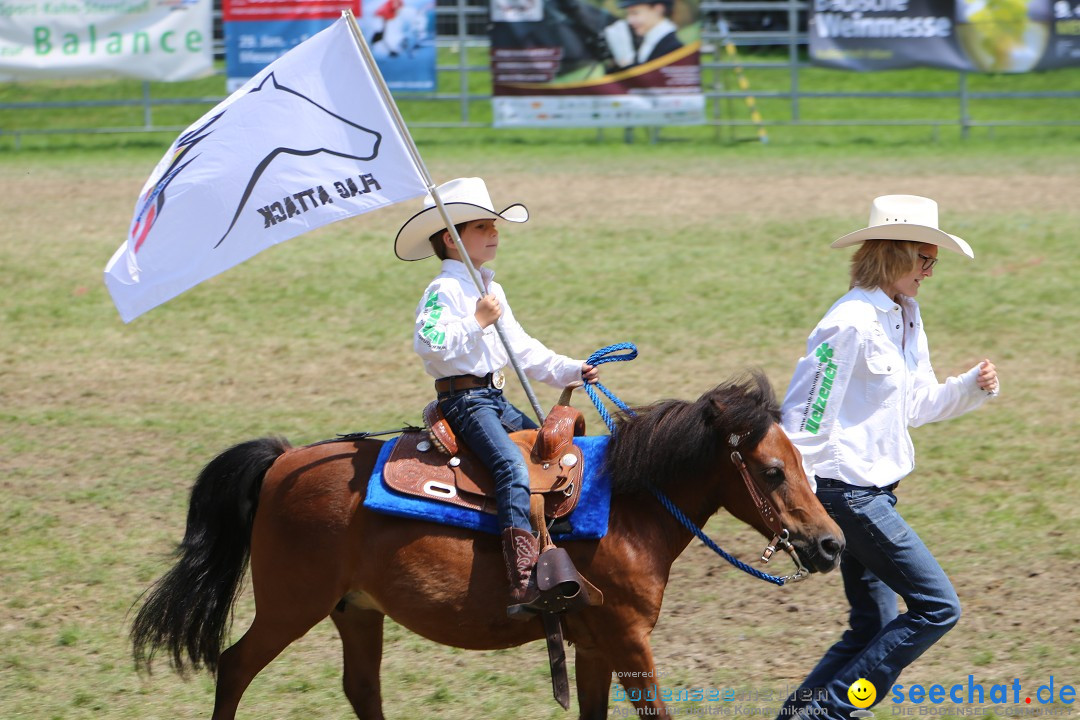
{"type": "Point", "coordinates": [830, 548]}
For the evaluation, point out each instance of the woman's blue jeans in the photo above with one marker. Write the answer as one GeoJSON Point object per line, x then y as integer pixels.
{"type": "Point", "coordinates": [483, 418]}
{"type": "Point", "coordinates": [883, 558]}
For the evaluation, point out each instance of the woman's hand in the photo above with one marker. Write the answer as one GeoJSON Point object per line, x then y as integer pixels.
{"type": "Point", "coordinates": [488, 310]}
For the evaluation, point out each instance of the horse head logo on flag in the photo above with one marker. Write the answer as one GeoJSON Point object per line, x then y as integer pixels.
{"type": "Point", "coordinates": [255, 121]}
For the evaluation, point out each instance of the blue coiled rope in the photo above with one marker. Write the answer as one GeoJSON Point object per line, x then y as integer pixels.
{"type": "Point", "coordinates": [629, 352]}
{"type": "Point", "coordinates": [607, 355]}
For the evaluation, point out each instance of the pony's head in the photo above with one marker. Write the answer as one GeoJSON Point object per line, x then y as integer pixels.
{"type": "Point", "coordinates": [675, 441]}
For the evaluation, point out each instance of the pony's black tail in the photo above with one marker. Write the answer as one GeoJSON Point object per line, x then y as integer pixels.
{"type": "Point", "coordinates": [189, 609]}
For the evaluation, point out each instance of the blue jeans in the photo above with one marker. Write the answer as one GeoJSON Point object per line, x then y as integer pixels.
{"type": "Point", "coordinates": [483, 419]}
{"type": "Point", "coordinates": [883, 558]}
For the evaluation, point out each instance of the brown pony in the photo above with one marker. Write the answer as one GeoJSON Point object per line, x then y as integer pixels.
{"type": "Point", "coordinates": [315, 551]}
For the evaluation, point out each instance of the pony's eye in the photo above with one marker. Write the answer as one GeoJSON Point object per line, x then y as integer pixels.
{"type": "Point", "coordinates": [775, 474]}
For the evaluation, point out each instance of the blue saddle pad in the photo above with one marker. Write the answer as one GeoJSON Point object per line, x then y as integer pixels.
{"type": "Point", "coordinates": [588, 521]}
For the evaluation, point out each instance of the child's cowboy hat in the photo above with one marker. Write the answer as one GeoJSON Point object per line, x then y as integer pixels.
{"type": "Point", "coordinates": [905, 217]}
{"type": "Point", "coordinates": [465, 199]}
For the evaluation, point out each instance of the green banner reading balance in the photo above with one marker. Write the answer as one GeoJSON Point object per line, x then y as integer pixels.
{"type": "Point", "coordinates": [1010, 36]}
{"type": "Point", "coordinates": [165, 40]}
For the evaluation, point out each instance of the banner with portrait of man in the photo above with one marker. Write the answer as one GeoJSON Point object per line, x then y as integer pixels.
{"type": "Point", "coordinates": [575, 63]}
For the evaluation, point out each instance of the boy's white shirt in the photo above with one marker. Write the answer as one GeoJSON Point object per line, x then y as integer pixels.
{"type": "Point", "coordinates": [652, 38]}
{"type": "Point", "coordinates": [869, 344]}
{"type": "Point", "coordinates": [451, 342]}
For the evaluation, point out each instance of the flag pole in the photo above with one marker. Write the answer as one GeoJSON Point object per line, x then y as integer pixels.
{"type": "Point", "coordinates": [419, 162]}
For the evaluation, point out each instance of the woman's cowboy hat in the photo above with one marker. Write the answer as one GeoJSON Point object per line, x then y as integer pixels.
{"type": "Point", "coordinates": [465, 199]}
{"type": "Point", "coordinates": [905, 217]}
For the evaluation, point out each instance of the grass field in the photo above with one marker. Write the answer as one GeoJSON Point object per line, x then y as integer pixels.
{"type": "Point", "coordinates": [710, 258]}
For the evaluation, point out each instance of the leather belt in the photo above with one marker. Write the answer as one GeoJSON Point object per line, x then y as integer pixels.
{"type": "Point", "coordinates": [830, 482]}
{"type": "Point", "coordinates": [460, 383]}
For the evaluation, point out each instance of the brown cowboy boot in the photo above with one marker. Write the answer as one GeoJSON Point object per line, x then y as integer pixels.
{"type": "Point", "coordinates": [520, 551]}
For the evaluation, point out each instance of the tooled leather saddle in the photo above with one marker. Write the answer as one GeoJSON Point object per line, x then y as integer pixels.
{"type": "Point", "coordinates": [434, 464]}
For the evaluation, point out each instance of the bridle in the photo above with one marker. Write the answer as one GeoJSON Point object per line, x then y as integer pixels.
{"type": "Point", "coordinates": [768, 511]}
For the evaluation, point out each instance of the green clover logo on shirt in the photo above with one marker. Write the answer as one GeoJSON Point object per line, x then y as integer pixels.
{"type": "Point", "coordinates": [824, 353]}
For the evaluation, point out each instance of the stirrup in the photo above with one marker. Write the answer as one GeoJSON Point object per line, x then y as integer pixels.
{"type": "Point", "coordinates": [562, 588]}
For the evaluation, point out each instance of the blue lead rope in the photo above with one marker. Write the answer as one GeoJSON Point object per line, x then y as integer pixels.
{"type": "Point", "coordinates": [606, 355]}
{"type": "Point", "coordinates": [689, 524]}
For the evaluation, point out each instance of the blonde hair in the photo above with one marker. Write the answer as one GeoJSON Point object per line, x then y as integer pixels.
{"type": "Point", "coordinates": [879, 263]}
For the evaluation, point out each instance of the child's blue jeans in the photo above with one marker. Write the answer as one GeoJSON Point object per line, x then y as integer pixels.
{"type": "Point", "coordinates": [483, 418]}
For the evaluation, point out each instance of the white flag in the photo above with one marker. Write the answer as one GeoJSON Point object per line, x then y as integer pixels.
{"type": "Point", "coordinates": [308, 141]}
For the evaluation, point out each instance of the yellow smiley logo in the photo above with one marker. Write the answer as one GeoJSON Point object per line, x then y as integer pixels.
{"type": "Point", "coordinates": [862, 693]}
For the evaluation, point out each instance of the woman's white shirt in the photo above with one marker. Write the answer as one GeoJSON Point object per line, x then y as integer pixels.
{"type": "Point", "coordinates": [866, 377]}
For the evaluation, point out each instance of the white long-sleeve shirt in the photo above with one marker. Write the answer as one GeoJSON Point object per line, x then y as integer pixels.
{"type": "Point", "coordinates": [451, 342]}
{"type": "Point", "coordinates": [865, 379]}
{"type": "Point", "coordinates": [652, 38]}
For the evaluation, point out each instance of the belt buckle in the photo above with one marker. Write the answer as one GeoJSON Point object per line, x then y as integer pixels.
{"type": "Point", "coordinates": [498, 379]}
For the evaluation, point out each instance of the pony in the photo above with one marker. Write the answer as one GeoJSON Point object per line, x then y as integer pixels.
{"type": "Point", "coordinates": [296, 515]}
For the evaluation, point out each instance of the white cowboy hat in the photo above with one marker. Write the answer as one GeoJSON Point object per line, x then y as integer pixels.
{"type": "Point", "coordinates": [465, 199]}
{"type": "Point", "coordinates": [905, 217]}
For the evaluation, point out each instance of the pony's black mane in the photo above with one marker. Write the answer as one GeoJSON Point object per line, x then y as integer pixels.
{"type": "Point", "coordinates": [679, 438]}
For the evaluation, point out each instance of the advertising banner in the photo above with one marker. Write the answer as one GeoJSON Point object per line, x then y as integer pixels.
{"type": "Point", "coordinates": [575, 63]}
{"type": "Point", "coordinates": [1007, 36]}
{"type": "Point", "coordinates": [166, 40]}
{"type": "Point", "coordinates": [401, 34]}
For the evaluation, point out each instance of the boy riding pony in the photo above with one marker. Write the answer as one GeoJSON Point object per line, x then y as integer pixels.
{"type": "Point", "coordinates": [455, 336]}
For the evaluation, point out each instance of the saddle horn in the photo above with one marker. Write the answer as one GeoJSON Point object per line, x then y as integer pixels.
{"type": "Point", "coordinates": [564, 399]}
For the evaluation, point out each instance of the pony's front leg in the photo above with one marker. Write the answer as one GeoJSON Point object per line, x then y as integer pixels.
{"type": "Point", "coordinates": [593, 674]}
{"type": "Point", "coordinates": [636, 672]}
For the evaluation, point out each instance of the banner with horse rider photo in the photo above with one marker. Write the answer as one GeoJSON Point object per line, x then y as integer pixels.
{"type": "Point", "coordinates": [596, 63]}
{"type": "Point", "coordinates": [401, 34]}
{"type": "Point", "coordinates": [989, 36]}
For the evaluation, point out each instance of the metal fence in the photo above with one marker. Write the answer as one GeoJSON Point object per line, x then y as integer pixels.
{"type": "Point", "coordinates": [754, 74]}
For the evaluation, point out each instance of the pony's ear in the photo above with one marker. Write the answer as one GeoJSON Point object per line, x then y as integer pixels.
{"type": "Point", "coordinates": [712, 409]}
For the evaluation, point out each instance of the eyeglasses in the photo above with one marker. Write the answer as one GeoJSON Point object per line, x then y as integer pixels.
{"type": "Point", "coordinates": [927, 262]}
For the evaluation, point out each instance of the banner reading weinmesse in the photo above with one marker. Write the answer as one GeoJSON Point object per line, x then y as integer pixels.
{"type": "Point", "coordinates": [575, 63]}
{"type": "Point", "coordinates": [165, 40]}
{"type": "Point", "coordinates": [1011, 36]}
